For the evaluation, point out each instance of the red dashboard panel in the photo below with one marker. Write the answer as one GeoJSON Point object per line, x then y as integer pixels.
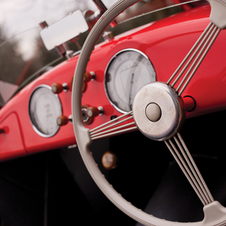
{"type": "Point", "coordinates": [11, 139]}
{"type": "Point", "coordinates": [165, 43]}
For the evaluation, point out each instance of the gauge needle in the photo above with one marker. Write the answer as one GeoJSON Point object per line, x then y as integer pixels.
{"type": "Point", "coordinates": [130, 91]}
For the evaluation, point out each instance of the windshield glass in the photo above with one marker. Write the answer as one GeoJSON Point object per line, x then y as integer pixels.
{"type": "Point", "coordinates": [18, 64]}
{"type": "Point", "coordinates": [22, 52]}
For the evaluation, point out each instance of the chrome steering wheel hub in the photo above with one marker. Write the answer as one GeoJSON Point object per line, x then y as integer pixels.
{"type": "Point", "coordinates": [158, 111]}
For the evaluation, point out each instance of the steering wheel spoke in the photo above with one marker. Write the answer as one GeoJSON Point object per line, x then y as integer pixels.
{"type": "Point", "coordinates": [194, 58]}
{"type": "Point", "coordinates": [116, 126]}
{"type": "Point", "coordinates": [188, 166]}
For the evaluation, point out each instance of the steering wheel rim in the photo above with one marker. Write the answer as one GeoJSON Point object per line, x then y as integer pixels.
{"type": "Point", "coordinates": [83, 135]}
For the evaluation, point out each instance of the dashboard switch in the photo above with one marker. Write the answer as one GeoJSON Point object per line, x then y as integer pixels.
{"type": "Point", "coordinates": [58, 88]}
{"type": "Point", "coordinates": [83, 87]}
{"type": "Point", "coordinates": [89, 76]}
{"type": "Point", "coordinates": [62, 120]}
{"type": "Point", "coordinates": [92, 112]}
{"type": "Point", "coordinates": [89, 113]}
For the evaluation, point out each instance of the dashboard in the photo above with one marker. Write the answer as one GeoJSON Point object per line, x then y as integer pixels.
{"type": "Point", "coordinates": [116, 71]}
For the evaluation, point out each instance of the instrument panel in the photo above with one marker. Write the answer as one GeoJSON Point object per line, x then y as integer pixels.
{"type": "Point", "coordinates": [126, 72]}
{"type": "Point", "coordinates": [121, 67]}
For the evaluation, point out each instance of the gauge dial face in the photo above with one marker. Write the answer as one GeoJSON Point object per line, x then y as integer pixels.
{"type": "Point", "coordinates": [44, 108]}
{"type": "Point", "coordinates": [127, 72]}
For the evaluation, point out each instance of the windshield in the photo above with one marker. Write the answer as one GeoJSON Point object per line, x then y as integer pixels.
{"type": "Point", "coordinates": [18, 65]}
{"type": "Point", "coordinates": [22, 52]}
{"type": "Point", "coordinates": [23, 56]}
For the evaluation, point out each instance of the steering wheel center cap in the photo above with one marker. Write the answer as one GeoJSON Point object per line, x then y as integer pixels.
{"type": "Point", "coordinates": [158, 111]}
{"type": "Point", "coordinates": [153, 112]}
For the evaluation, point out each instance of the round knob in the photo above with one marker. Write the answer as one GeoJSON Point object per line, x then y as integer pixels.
{"type": "Point", "coordinates": [57, 88]}
{"type": "Point", "coordinates": [84, 87]}
{"type": "Point", "coordinates": [89, 76]}
{"type": "Point", "coordinates": [85, 118]}
{"type": "Point", "coordinates": [93, 112]}
{"type": "Point", "coordinates": [89, 113]}
{"type": "Point", "coordinates": [153, 112]}
{"type": "Point", "coordinates": [62, 120]}
{"type": "Point", "coordinates": [109, 160]}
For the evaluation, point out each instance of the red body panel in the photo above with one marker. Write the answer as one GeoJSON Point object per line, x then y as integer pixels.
{"type": "Point", "coordinates": [11, 140]}
{"type": "Point", "coordinates": [165, 43]}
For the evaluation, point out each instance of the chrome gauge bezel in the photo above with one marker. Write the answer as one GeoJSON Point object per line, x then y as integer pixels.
{"type": "Point", "coordinates": [107, 69]}
{"type": "Point", "coordinates": [34, 126]}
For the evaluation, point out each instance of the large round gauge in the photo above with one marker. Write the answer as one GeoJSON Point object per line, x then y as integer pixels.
{"type": "Point", "coordinates": [128, 71]}
{"type": "Point", "coordinates": [44, 108]}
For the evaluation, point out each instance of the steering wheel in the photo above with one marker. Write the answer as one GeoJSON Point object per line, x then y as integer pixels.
{"type": "Point", "coordinates": [158, 115]}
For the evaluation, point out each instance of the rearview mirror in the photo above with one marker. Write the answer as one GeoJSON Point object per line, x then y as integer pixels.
{"type": "Point", "coordinates": [64, 30]}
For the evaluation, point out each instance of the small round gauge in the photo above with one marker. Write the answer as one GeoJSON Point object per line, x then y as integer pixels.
{"type": "Point", "coordinates": [44, 108]}
{"type": "Point", "coordinates": [128, 71]}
